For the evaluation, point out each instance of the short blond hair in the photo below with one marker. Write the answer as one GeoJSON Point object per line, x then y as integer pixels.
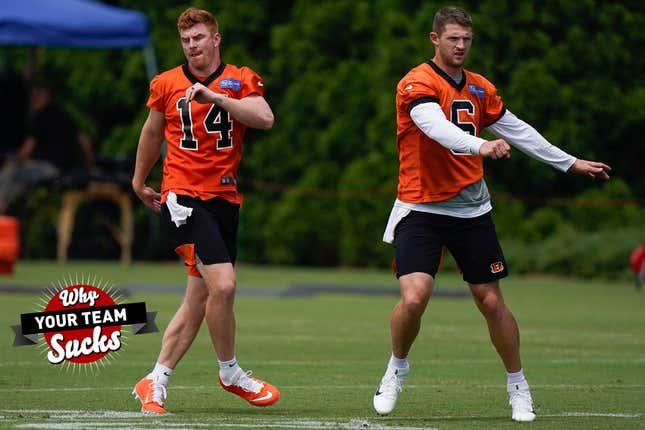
{"type": "Point", "coordinates": [193, 16]}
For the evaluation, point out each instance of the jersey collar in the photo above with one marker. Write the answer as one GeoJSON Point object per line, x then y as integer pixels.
{"type": "Point", "coordinates": [458, 86]}
{"type": "Point", "coordinates": [206, 82]}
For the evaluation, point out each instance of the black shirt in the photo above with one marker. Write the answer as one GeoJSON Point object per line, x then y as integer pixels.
{"type": "Point", "coordinates": [56, 137]}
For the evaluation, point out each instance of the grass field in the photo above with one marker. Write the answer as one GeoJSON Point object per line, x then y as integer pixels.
{"type": "Point", "coordinates": [583, 347]}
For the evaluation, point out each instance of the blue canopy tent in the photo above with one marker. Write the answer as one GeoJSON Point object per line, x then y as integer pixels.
{"type": "Point", "coordinates": [83, 24]}
{"type": "Point", "coordinates": [75, 24]}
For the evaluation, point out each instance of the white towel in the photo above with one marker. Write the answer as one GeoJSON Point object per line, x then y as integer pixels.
{"type": "Point", "coordinates": [397, 214]}
{"type": "Point", "coordinates": [178, 213]}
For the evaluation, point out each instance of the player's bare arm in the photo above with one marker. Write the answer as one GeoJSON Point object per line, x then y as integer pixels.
{"type": "Point", "coordinates": [253, 111]}
{"type": "Point", "coordinates": [148, 152]}
{"type": "Point", "coordinates": [495, 149]}
{"type": "Point", "coordinates": [593, 169]}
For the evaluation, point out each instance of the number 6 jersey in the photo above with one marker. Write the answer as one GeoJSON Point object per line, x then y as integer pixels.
{"type": "Point", "coordinates": [204, 140]}
{"type": "Point", "coordinates": [428, 171]}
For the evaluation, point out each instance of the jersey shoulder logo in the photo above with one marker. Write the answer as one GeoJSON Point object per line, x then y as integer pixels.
{"type": "Point", "coordinates": [477, 90]}
{"type": "Point", "coordinates": [230, 83]}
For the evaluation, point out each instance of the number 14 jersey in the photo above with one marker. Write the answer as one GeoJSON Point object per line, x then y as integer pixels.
{"type": "Point", "coordinates": [204, 141]}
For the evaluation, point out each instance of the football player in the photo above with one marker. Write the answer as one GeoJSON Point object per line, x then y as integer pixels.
{"type": "Point", "coordinates": [443, 201]}
{"type": "Point", "coordinates": [202, 110]}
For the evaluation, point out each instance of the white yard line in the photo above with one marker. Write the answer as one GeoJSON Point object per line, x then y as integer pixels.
{"type": "Point", "coordinates": [158, 423]}
{"type": "Point", "coordinates": [117, 420]}
{"type": "Point", "coordinates": [596, 414]}
{"type": "Point", "coordinates": [320, 387]}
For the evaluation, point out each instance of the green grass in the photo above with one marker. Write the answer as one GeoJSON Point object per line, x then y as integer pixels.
{"type": "Point", "coordinates": [583, 347]}
{"type": "Point", "coordinates": [172, 273]}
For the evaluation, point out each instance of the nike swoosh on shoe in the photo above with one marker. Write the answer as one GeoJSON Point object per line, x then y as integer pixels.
{"type": "Point", "coordinates": [267, 396]}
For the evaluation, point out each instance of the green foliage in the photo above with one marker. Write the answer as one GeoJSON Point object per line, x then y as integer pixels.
{"type": "Point", "coordinates": [38, 228]}
{"type": "Point", "coordinates": [609, 207]}
{"type": "Point", "coordinates": [589, 235]}
{"type": "Point", "coordinates": [602, 253]}
{"type": "Point", "coordinates": [319, 186]}
{"type": "Point", "coordinates": [507, 214]}
{"type": "Point", "coordinates": [303, 228]}
{"type": "Point", "coordinates": [366, 199]}
{"type": "Point", "coordinates": [544, 222]}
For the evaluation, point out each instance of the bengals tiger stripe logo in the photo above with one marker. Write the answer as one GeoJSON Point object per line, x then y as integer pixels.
{"type": "Point", "coordinates": [496, 267]}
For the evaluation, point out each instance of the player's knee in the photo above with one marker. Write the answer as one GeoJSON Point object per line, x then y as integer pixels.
{"type": "Point", "coordinates": [223, 288]}
{"type": "Point", "coordinates": [491, 305]}
{"type": "Point", "coordinates": [414, 305]}
{"type": "Point", "coordinates": [415, 302]}
{"type": "Point", "coordinates": [415, 293]}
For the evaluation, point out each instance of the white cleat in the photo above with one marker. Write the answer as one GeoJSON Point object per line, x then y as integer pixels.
{"type": "Point", "coordinates": [388, 390]}
{"type": "Point", "coordinates": [521, 402]}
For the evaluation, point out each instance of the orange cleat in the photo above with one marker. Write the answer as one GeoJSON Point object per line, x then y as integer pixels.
{"type": "Point", "coordinates": [152, 395]}
{"type": "Point", "coordinates": [253, 390]}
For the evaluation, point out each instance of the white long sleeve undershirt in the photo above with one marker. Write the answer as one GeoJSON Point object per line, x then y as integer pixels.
{"type": "Point", "coordinates": [527, 139]}
{"type": "Point", "coordinates": [433, 122]}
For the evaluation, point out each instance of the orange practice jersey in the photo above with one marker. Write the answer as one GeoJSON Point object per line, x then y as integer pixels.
{"type": "Point", "coordinates": [429, 172]}
{"type": "Point", "coordinates": [204, 140]}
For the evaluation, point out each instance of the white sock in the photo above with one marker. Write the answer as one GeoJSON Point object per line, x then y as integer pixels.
{"type": "Point", "coordinates": [229, 371]}
{"type": "Point", "coordinates": [515, 377]}
{"type": "Point", "coordinates": [160, 373]}
{"type": "Point", "coordinates": [399, 363]}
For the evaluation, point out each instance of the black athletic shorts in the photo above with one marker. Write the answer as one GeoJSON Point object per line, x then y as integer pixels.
{"type": "Point", "coordinates": [419, 239]}
{"type": "Point", "coordinates": [210, 232]}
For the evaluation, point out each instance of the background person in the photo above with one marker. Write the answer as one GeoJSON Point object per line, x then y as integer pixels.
{"type": "Point", "coordinates": [13, 116]}
{"type": "Point", "coordinates": [637, 264]}
{"type": "Point", "coordinates": [49, 150]}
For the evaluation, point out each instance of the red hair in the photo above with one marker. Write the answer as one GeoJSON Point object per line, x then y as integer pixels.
{"type": "Point", "coordinates": [193, 16]}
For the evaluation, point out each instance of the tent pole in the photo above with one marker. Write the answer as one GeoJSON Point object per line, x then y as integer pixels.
{"type": "Point", "coordinates": [151, 71]}
{"type": "Point", "coordinates": [31, 64]}
{"type": "Point", "coordinates": [151, 60]}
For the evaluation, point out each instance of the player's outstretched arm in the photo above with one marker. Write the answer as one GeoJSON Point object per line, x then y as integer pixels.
{"type": "Point", "coordinates": [593, 169]}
